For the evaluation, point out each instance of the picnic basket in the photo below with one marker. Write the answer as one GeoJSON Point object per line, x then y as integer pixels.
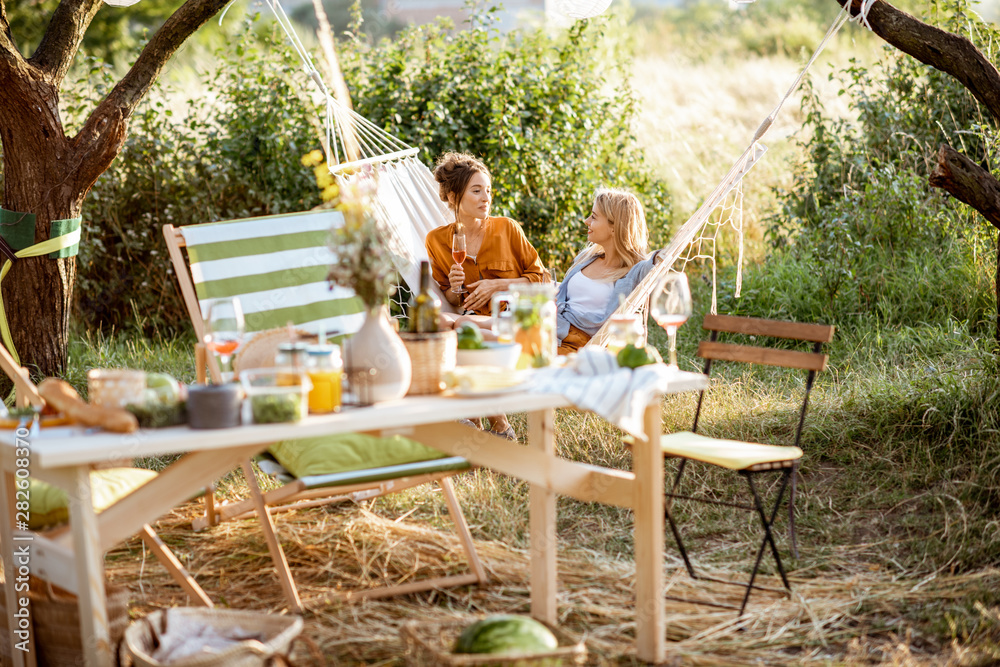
{"type": "Point", "coordinates": [276, 634]}
{"type": "Point", "coordinates": [431, 355]}
{"type": "Point", "coordinates": [55, 617]}
{"type": "Point", "coordinates": [430, 645]}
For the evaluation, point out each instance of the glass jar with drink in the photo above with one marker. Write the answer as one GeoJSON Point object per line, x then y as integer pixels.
{"type": "Point", "coordinates": [325, 370]}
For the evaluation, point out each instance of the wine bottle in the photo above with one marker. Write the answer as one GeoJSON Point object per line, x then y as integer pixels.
{"type": "Point", "coordinates": [426, 307]}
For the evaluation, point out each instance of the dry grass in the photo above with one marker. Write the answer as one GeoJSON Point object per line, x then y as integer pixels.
{"type": "Point", "coordinates": [842, 613]}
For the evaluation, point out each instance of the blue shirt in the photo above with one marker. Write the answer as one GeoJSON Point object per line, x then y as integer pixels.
{"type": "Point", "coordinates": [586, 322]}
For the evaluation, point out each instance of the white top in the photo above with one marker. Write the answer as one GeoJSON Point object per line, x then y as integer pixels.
{"type": "Point", "coordinates": [588, 298]}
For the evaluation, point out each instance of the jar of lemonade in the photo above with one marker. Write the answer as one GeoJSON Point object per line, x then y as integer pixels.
{"type": "Point", "coordinates": [623, 330]}
{"type": "Point", "coordinates": [531, 319]}
{"type": "Point", "coordinates": [291, 355]}
{"type": "Point", "coordinates": [325, 370]}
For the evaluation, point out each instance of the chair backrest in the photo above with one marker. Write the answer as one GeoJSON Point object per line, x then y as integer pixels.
{"type": "Point", "coordinates": [277, 266]}
{"type": "Point", "coordinates": [813, 361]}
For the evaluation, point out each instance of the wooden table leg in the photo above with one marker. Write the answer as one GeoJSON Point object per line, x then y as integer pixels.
{"type": "Point", "coordinates": [542, 506]}
{"type": "Point", "coordinates": [647, 464]}
{"type": "Point", "coordinates": [7, 488]}
{"type": "Point", "coordinates": [89, 570]}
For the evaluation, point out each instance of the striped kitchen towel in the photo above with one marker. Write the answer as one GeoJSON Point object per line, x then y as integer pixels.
{"type": "Point", "coordinates": [595, 382]}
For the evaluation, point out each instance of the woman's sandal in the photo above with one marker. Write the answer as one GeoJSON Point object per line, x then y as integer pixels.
{"type": "Point", "coordinates": [469, 422]}
{"type": "Point", "coordinates": [508, 434]}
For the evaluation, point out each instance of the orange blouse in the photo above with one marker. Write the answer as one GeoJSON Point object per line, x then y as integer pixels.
{"type": "Point", "coordinates": [505, 253]}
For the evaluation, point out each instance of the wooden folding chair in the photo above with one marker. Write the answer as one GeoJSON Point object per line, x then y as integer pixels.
{"type": "Point", "coordinates": [52, 558]}
{"type": "Point", "coordinates": [277, 266]}
{"type": "Point", "coordinates": [748, 459]}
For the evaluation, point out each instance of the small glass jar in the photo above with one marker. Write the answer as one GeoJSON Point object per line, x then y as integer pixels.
{"type": "Point", "coordinates": [325, 370]}
{"type": "Point", "coordinates": [622, 330]}
{"type": "Point", "coordinates": [291, 355]}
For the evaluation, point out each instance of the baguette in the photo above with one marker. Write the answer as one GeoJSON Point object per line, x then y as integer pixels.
{"type": "Point", "coordinates": [61, 396]}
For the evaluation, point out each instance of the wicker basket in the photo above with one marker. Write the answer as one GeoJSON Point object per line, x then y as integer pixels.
{"type": "Point", "coordinates": [430, 644]}
{"type": "Point", "coordinates": [276, 636]}
{"type": "Point", "coordinates": [55, 615]}
{"type": "Point", "coordinates": [431, 356]}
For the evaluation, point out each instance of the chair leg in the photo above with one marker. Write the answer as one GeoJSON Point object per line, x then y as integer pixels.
{"type": "Point", "coordinates": [273, 546]}
{"type": "Point", "coordinates": [462, 528]}
{"type": "Point", "coordinates": [791, 511]}
{"type": "Point", "coordinates": [768, 536]}
{"type": "Point", "coordinates": [668, 504]}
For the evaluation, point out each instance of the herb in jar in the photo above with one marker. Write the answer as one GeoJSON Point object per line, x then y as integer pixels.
{"type": "Point", "coordinates": [275, 408]}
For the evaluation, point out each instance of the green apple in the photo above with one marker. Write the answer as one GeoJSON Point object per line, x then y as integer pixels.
{"type": "Point", "coordinates": [165, 387]}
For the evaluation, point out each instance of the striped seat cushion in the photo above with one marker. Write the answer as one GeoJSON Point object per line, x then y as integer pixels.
{"type": "Point", "coordinates": [277, 266]}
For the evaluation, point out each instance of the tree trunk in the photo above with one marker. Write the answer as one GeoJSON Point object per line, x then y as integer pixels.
{"type": "Point", "coordinates": [37, 291]}
{"type": "Point", "coordinates": [49, 174]}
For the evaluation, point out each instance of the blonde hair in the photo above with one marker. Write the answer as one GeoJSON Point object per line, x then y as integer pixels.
{"type": "Point", "coordinates": [628, 229]}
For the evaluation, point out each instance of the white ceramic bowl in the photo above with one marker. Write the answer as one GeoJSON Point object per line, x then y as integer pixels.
{"type": "Point", "coordinates": [503, 355]}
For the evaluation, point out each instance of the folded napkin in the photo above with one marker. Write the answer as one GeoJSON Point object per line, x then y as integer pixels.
{"type": "Point", "coordinates": [595, 382]}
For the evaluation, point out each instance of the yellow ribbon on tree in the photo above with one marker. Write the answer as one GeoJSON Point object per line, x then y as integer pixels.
{"type": "Point", "coordinates": [44, 248]}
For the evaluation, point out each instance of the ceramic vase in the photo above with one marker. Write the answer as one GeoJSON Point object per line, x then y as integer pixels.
{"type": "Point", "coordinates": [376, 361]}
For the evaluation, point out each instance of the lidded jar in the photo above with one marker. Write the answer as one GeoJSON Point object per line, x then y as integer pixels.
{"type": "Point", "coordinates": [292, 354]}
{"type": "Point", "coordinates": [325, 369]}
{"type": "Point", "coordinates": [623, 330]}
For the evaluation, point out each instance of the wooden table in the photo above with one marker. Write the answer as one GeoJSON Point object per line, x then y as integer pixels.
{"type": "Point", "coordinates": [66, 461]}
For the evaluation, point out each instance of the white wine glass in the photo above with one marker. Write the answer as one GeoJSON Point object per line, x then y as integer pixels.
{"type": "Point", "coordinates": [671, 307]}
{"type": "Point", "coordinates": [224, 328]}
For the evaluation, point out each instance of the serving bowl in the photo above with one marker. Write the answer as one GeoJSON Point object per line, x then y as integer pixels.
{"type": "Point", "coordinates": [503, 355]}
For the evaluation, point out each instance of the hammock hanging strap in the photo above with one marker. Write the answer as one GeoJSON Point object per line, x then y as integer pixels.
{"type": "Point", "coordinates": [53, 245]}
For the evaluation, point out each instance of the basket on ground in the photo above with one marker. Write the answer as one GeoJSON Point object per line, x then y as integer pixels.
{"type": "Point", "coordinates": [431, 355]}
{"type": "Point", "coordinates": [274, 636]}
{"type": "Point", "coordinates": [55, 617]}
{"type": "Point", "coordinates": [431, 644]}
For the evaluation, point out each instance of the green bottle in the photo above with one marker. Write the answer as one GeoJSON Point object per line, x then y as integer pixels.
{"type": "Point", "coordinates": [426, 307]}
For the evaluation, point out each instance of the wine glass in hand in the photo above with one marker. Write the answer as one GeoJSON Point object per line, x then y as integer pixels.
{"type": "Point", "coordinates": [671, 307]}
{"type": "Point", "coordinates": [224, 329]}
{"type": "Point", "coordinates": [458, 254]}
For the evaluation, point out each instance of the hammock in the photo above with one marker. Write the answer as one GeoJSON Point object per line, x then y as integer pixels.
{"type": "Point", "coordinates": [408, 193]}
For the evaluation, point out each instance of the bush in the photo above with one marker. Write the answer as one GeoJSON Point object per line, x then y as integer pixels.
{"type": "Point", "coordinates": [234, 153]}
{"type": "Point", "coordinates": [861, 224]}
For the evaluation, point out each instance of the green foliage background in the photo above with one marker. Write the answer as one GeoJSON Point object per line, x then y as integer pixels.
{"type": "Point", "coordinates": [551, 115]}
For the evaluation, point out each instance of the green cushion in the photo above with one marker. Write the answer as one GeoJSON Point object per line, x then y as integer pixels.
{"type": "Point", "coordinates": [347, 452]}
{"type": "Point", "coordinates": [49, 505]}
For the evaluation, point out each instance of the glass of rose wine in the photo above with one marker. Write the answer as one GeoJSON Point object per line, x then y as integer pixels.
{"type": "Point", "coordinates": [671, 307]}
{"type": "Point", "coordinates": [458, 254]}
{"type": "Point", "coordinates": [224, 329]}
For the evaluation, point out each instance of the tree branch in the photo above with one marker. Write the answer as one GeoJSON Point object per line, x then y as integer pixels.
{"type": "Point", "coordinates": [62, 38]}
{"type": "Point", "coordinates": [103, 135]}
{"type": "Point", "coordinates": [10, 57]}
{"type": "Point", "coordinates": [966, 181]}
{"type": "Point", "coordinates": [942, 50]}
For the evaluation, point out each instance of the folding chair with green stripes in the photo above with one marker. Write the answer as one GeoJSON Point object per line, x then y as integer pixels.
{"type": "Point", "coordinates": [277, 266]}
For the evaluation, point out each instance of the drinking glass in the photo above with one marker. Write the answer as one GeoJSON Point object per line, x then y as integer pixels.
{"type": "Point", "coordinates": [671, 307]}
{"type": "Point", "coordinates": [224, 329]}
{"type": "Point", "coordinates": [458, 254]}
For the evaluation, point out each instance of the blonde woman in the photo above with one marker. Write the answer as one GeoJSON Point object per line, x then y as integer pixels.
{"type": "Point", "coordinates": [615, 260]}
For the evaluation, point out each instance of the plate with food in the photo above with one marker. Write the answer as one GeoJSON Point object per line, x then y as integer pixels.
{"type": "Point", "coordinates": [476, 381]}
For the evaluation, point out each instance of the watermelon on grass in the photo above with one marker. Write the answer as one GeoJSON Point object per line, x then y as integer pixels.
{"type": "Point", "coordinates": [506, 633]}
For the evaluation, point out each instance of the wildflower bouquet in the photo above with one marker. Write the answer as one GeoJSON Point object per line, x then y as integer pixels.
{"type": "Point", "coordinates": [362, 261]}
